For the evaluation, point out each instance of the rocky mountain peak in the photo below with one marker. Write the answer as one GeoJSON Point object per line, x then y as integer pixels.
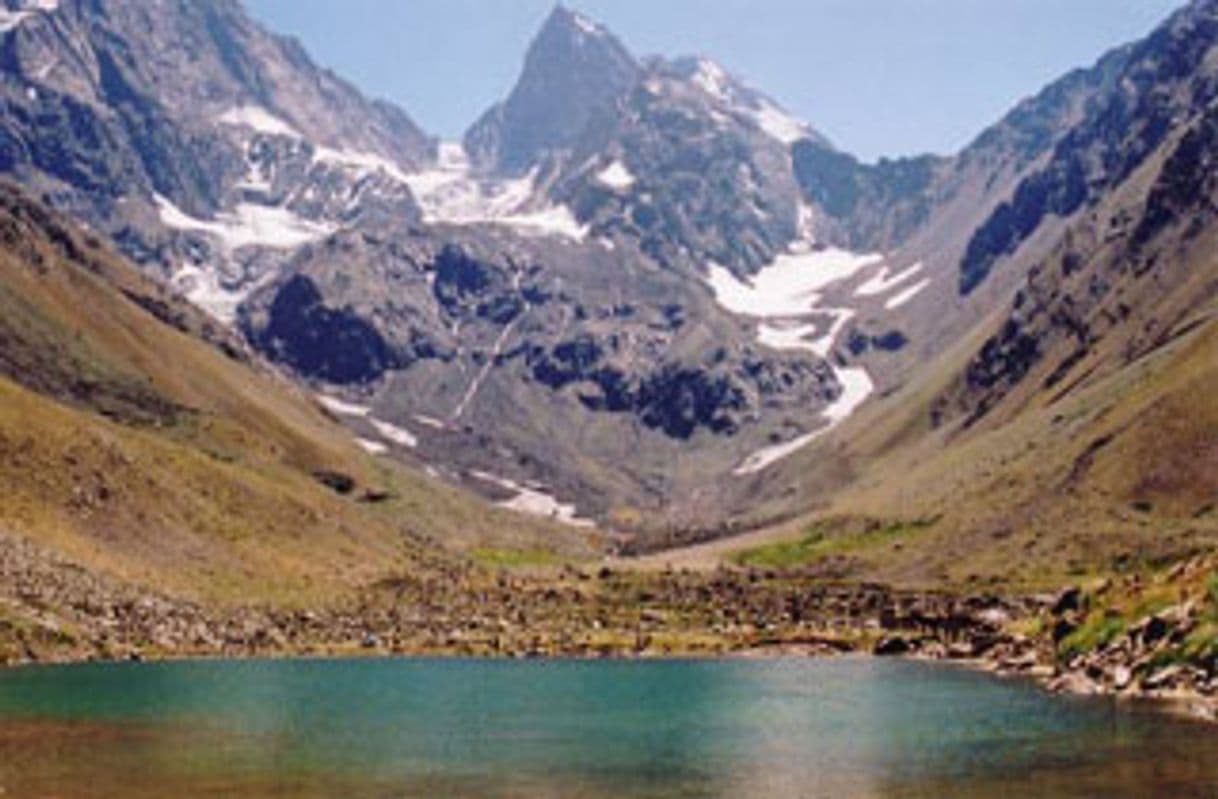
{"type": "Point", "coordinates": [573, 68]}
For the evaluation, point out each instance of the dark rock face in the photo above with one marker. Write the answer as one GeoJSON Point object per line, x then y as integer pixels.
{"type": "Point", "coordinates": [328, 344]}
{"type": "Point", "coordinates": [679, 401]}
{"type": "Point", "coordinates": [675, 400]}
{"type": "Point", "coordinates": [462, 282]}
{"type": "Point", "coordinates": [1185, 186]}
{"type": "Point", "coordinates": [876, 206]}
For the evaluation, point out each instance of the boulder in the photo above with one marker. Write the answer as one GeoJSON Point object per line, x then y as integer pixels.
{"type": "Point", "coordinates": [892, 646]}
{"type": "Point", "coordinates": [1069, 600]}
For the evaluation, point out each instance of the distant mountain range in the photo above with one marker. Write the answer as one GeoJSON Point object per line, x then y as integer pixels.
{"type": "Point", "coordinates": [639, 293]}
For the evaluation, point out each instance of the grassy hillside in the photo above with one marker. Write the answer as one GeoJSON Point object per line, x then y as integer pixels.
{"type": "Point", "coordinates": [139, 441]}
{"type": "Point", "coordinates": [1097, 455]}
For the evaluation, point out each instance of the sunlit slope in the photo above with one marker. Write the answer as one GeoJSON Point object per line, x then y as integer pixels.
{"type": "Point", "coordinates": [138, 439]}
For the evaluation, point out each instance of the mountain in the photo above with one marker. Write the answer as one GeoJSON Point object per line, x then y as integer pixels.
{"type": "Point", "coordinates": [574, 290]}
{"type": "Point", "coordinates": [646, 251]}
{"type": "Point", "coordinates": [573, 70]}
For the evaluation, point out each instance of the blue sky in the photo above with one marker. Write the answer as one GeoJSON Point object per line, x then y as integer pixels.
{"type": "Point", "coordinates": [879, 77]}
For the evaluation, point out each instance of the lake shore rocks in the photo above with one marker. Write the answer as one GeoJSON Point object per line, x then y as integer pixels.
{"type": "Point", "coordinates": [54, 611]}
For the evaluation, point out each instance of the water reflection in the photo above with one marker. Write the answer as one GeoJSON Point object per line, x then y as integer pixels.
{"type": "Point", "coordinates": [848, 728]}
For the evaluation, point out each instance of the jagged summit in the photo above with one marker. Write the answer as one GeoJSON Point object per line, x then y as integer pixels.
{"type": "Point", "coordinates": [572, 68]}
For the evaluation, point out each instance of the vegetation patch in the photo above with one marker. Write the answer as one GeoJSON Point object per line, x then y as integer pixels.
{"type": "Point", "coordinates": [514, 558]}
{"type": "Point", "coordinates": [817, 543]}
{"type": "Point", "coordinates": [1100, 629]}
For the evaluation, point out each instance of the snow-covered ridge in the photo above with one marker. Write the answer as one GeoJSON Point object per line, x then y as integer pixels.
{"type": "Point", "coordinates": [447, 193]}
{"type": "Point", "coordinates": [712, 79]}
{"type": "Point", "coordinates": [258, 119]}
{"type": "Point", "coordinates": [741, 100]}
{"type": "Point", "coordinates": [11, 19]}
{"type": "Point", "coordinates": [778, 124]}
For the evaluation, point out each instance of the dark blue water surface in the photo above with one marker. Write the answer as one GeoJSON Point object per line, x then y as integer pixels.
{"type": "Point", "coordinates": [385, 728]}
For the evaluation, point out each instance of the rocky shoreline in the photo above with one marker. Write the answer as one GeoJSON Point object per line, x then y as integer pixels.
{"type": "Point", "coordinates": [53, 611]}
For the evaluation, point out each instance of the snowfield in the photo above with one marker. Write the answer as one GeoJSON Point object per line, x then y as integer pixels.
{"type": "Point", "coordinates": [248, 225]}
{"type": "Point", "coordinates": [449, 193]}
{"type": "Point", "coordinates": [783, 295]}
{"type": "Point", "coordinates": [790, 286]}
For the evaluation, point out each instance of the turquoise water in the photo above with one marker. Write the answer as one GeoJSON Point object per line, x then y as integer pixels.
{"type": "Point", "coordinates": [387, 728]}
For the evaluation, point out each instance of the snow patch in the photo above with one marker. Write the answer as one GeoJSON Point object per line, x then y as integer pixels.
{"type": "Point", "coordinates": [905, 296]}
{"type": "Point", "coordinates": [372, 447]}
{"type": "Point", "coordinates": [856, 387]}
{"type": "Point", "coordinates": [783, 295]}
{"type": "Point", "coordinates": [342, 408]}
{"type": "Point", "coordinates": [430, 421]}
{"type": "Point", "coordinates": [884, 281]}
{"type": "Point", "coordinates": [616, 176]}
{"type": "Point", "coordinates": [259, 120]}
{"type": "Point", "coordinates": [787, 335]}
{"type": "Point", "coordinates": [586, 26]}
{"type": "Point", "coordinates": [534, 501]}
{"type": "Point", "coordinates": [395, 434]}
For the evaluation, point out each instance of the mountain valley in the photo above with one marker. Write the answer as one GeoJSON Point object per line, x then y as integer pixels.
{"type": "Point", "coordinates": [641, 337]}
